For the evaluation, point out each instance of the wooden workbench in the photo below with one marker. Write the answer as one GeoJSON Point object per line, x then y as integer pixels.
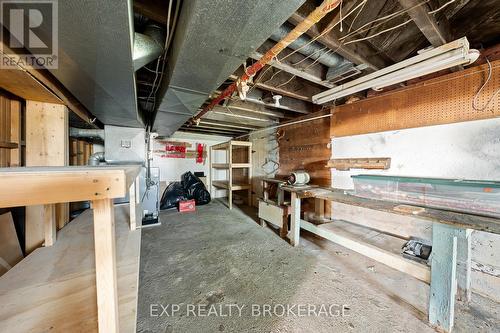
{"type": "Point", "coordinates": [100, 185]}
{"type": "Point", "coordinates": [451, 243]}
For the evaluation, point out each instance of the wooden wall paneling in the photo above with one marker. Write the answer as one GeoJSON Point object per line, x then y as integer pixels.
{"type": "Point", "coordinates": [47, 141]}
{"type": "Point", "coordinates": [81, 153]}
{"type": "Point", "coordinates": [306, 146]}
{"type": "Point", "coordinates": [73, 151]}
{"type": "Point", "coordinates": [4, 131]}
{"type": "Point", "coordinates": [442, 100]}
{"type": "Point", "coordinates": [15, 133]}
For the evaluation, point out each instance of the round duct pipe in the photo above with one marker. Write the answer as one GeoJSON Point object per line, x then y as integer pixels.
{"type": "Point", "coordinates": [314, 50]}
{"type": "Point", "coordinates": [148, 45]}
{"type": "Point", "coordinates": [86, 133]}
{"type": "Point", "coordinates": [96, 158]}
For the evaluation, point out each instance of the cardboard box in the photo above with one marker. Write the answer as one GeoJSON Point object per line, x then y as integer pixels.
{"type": "Point", "coordinates": [187, 206]}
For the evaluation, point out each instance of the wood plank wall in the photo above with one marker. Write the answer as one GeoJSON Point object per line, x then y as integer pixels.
{"type": "Point", "coordinates": [10, 132]}
{"type": "Point", "coordinates": [305, 146]}
{"type": "Point", "coordinates": [442, 100]}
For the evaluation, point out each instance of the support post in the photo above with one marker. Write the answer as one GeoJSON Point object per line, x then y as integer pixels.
{"type": "Point", "coordinates": [135, 217]}
{"type": "Point", "coordinates": [319, 208]}
{"type": "Point", "coordinates": [230, 181]}
{"type": "Point", "coordinates": [47, 144]}
{"type": "Point", "coordinates": [295, 220]}
{"type": "Point", "coordinates": [49, 221]}
{"type": "Point", "coordinates": [464, 264]}
{"type": "Point", "coordinates": [443, 276]}
{"type": "Point", "coordinates": [105, 265]}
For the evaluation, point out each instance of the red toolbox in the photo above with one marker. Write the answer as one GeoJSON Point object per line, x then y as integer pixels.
{"type": "Point", "coordinates": [187, 206]}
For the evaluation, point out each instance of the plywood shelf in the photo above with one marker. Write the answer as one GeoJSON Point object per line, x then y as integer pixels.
{"type": "Point", "coordinates": [244, 165]}
{"type": "Point", "coordinates": [234, 165]}
{"type": "Point", "coordinates": [234, 187]}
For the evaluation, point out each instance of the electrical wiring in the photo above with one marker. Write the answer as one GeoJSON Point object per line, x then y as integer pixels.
{"type": "Point", "coordinates": [355, 17]}
{"type": "Point", "coordinates": [442, 7]}
{"type": "Point", "coordinates": [379, 33]}
{"type": "Point", "coordinates": [474, 100]}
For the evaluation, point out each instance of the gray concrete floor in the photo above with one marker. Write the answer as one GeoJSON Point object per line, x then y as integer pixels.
{"type": "Point", "coordinates": [196, 267]}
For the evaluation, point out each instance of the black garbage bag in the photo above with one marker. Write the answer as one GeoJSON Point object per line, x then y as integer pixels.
{"type": "Point", "coordinates": [173, 194]}
{"type": "Point", "coordinates": [195, 188]}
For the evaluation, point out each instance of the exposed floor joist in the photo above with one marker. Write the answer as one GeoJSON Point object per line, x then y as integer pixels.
{"type": "Point", "coordinates": [357, 53]}
{"type": "Point", "coordinates": [436, 33]}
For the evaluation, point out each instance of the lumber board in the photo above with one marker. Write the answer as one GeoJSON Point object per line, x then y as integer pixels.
{"type": "Point", "coordinates": [44, 185]}
{"type": "Point", "coordinates": [54, 288]}
{"type": "Point", "coordinates": [46, 145]}
{"type": "Point", "coordinates": [456, 219]}
{"type": "Point", "coordinates": [443, 100]}
{"type": "Point", "coordinates": [419, 271]}
{"type": "Point", "coordinates": [344, 164]}
{"type": "Point", "coordinates": [10, 250]}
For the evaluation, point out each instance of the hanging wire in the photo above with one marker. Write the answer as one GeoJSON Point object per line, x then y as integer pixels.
{"type": "Point", "coordinates": [474, 100]}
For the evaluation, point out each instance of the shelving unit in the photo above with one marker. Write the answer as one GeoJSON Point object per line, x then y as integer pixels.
{"type": "Point", "coordinates": [238, 165]}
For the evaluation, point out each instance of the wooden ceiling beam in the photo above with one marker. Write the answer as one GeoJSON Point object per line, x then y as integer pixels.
{"type": "Point", "coordinates": [152, 9]}
{"type": "Point", "coordinates": [436, 33]}
{"type": "Point", "coordinates": [359, 53]}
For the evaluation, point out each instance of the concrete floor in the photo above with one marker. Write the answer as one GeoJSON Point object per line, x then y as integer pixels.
{"type": "Point", "coordinates": [197, 267]}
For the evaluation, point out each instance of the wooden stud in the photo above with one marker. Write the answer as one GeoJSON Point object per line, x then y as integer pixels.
{"type": "Point", "coordinates": [443, 276]}
{"type": "Point", "coordinates": [49, 216]}
{"type": "Point", "coordinates": [105, 260]}
{"type": "Point", "coordinates": [15, 133]}
{"type": "Point", "coordinates": [230, 184]}
{"type": "Point", "coordinates": [46, 145]}
{"type": "Point", "coordinates": [135, 210]}
{"type": "Point", "coordinates": [295, 220]}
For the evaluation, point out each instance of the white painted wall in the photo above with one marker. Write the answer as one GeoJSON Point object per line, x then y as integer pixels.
{"type": "Point", "coordinates": [171, 169]}
{"type": "Point", "coordinates": [468, 150]}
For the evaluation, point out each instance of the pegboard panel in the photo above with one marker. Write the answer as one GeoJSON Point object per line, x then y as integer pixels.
{"type": "Point", "coordinates": [443, 100]}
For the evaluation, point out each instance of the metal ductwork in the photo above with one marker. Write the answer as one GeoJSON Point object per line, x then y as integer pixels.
{"type": "Point", "coordinates": [95, 58]}
{"type": "Point", "coordinates": [96, 158]}
{"type": "Point", "coordinates": [211, 42]}
{"type": "Point", "coordinates": [146, 49]}
{"type": "Point", "coordinates": [148, 46]}
{"type": "Point", "coordinates": [86, 133]}
{"type": "Point", "coordinates": [315, 50]}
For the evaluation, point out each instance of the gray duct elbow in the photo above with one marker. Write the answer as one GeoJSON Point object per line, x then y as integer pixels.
{"type": "Point", "coordinates": [96, 158]}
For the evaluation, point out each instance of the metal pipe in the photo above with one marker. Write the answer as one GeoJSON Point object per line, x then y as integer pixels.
{"type": "Point", "coordinates": [313, 50]}
{"type": "Point", "coordinates": [320, 11]}
{"type": "Point", "coordinates": [96, 158]}
{"type": "Point", "coordinates": [86, 133]}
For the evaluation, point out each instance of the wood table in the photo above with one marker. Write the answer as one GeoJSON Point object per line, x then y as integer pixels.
{"type": "Point", "coordinates": [451, 245]}
{"type": "Point", "coordinates": [51, 185]}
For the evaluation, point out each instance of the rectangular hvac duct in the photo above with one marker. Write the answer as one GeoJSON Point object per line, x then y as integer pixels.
{"type": "Point", "coordinates": [212, 40]}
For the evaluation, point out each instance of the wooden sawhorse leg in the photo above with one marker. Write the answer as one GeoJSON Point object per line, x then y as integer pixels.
{"type": "Point", "coordinates": [294, 234]}
{"type": "Point", "coordinates": [447, 252]}
{"type": "Point", "coordinates": [105, 265]}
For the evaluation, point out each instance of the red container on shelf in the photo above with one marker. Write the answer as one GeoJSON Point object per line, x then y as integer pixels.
{"type": "Point", "coordinates": [187, 206]}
